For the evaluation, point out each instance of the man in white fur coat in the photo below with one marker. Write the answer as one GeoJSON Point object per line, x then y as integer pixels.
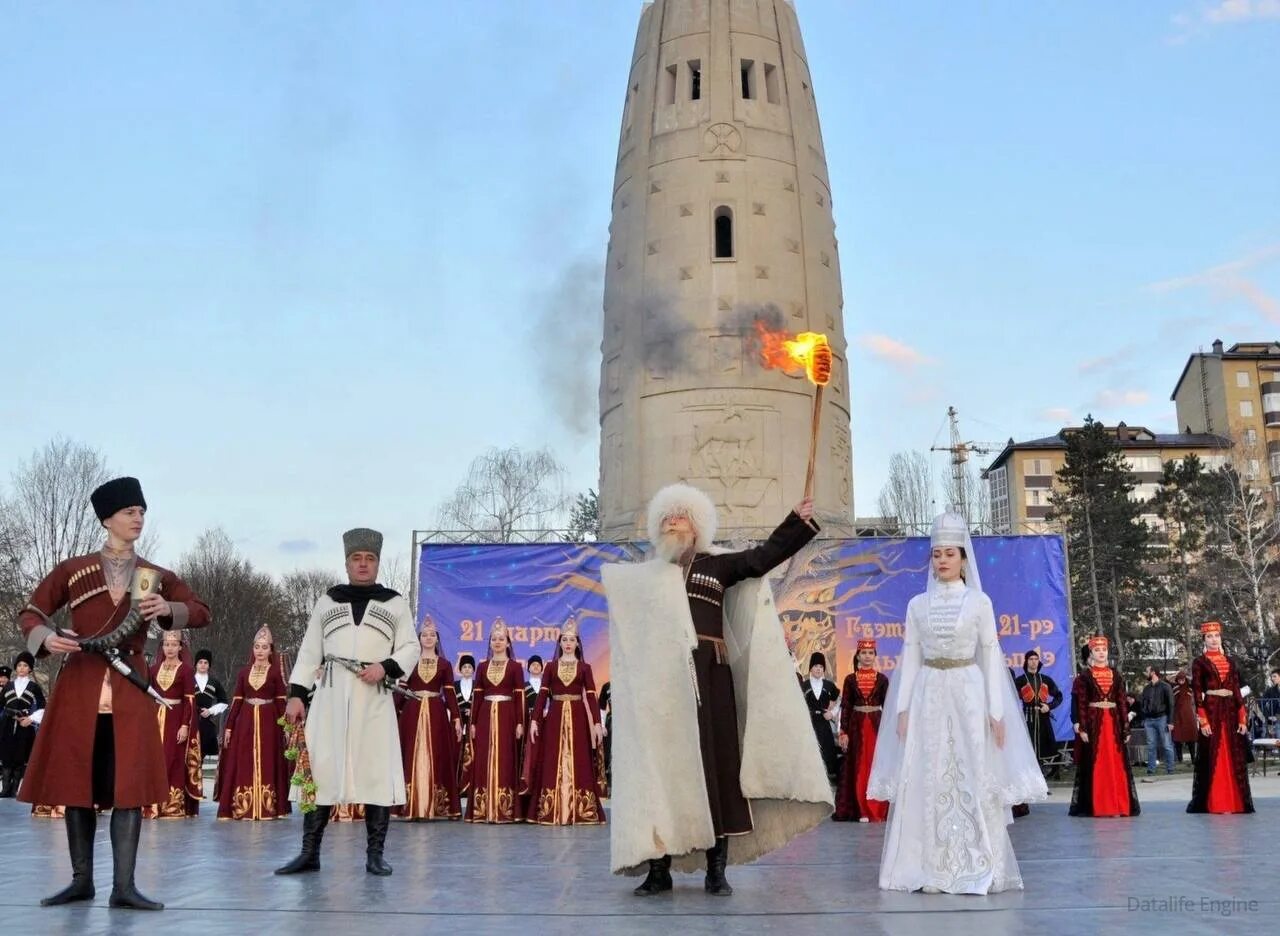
{"type": "Point", "coordinates": [712, 746]}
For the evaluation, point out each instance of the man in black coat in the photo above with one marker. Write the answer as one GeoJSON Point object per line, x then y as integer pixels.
{"type": "Point", "coordinates": [821, 695]}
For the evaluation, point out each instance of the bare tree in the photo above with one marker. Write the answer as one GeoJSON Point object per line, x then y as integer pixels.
{"type": "Point", "coordinates": [1246, 534]}
{"type": "Point", "coordinates": [300, 590]}
{"type": "Point", "coordinates": [242, 600]}
{"type": "Point", "coordinates": [972, 492]}
{"type": "Point", "coordinates": [908, 492]}
{"type": "Point", "coordinates": [48, 514]}
{"type": "Point", "coordinates": [394, 573]}
{"type": "Point", "coordinates": [507, 492]}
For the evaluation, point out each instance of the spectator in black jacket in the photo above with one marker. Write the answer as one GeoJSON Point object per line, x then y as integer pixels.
{"type": "Point", "coordinates": [1156, 708]}
{"type": "Point", "coordinates": [1271, 705]}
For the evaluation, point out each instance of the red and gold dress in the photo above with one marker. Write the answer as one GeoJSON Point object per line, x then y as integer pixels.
{"type": "Point", "coordinates": [1104, 779]}
{"type": "Point", "coordinates": [491, 771]}
{"type": "Point", "coordinates": [1221, 783]}
{"type": "Point", "coordinates": [560, 772]}
{"type": "Point", "coordinates": [183, 764]}
{"type": "Point", "coordinates": [429, 743]}
{"type": "Point", "coordinates": [861, 705]}
{"type": "Point", "coordinates": [253, 775]}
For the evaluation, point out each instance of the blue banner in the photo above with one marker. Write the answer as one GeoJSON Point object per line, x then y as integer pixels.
{"type": "Point", "coordinates": [832, 594]}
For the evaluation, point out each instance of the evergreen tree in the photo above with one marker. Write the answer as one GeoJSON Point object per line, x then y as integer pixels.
{"type": "Point", "coordinates": [584, 518]}
{"type": "Point", "coordinates": [1106, 538]}
{"type": "Point", "coordinates": [1187, 501]}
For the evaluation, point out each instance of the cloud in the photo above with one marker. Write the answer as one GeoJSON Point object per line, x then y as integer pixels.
{"type": "Point", "coordinates": [1058, 415]}
{"type": "Point", "coordinates": [1241, 11]}
{"type": "Point", "coordinates": [1118, 398]}
{"type": "Point", "coordinates": [1221, 13]}
{"type": "Point", "coordinates": [298, 546]}
{"type": "Point", "coordinates": [1228, 281]}
{"type": "Point", "coordinates": [1107, 362]}
{"type": "Point", "coordinates": [893, 351]}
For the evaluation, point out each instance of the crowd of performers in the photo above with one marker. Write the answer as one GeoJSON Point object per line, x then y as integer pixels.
{"type": "Point", "coordinates": [371, 720]}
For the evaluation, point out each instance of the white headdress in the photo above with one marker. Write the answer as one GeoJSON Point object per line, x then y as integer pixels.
{"type": "Point", "coordinates": [683, 500]}
{"type": "Point", "coordinates": [950, 529]}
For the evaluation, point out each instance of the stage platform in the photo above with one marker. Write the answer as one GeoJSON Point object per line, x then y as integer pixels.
{"type": "Point", "coordinates": [1082, 876]}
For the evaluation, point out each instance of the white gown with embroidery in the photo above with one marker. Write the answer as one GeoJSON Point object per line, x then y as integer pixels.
{"type": "Point", "coordinates": [950, 786]}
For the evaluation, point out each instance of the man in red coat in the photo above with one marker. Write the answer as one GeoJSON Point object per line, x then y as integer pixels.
{"type": "Point", "coordinates": [98, 746]}
{"type": "Point", "coordinates": [1221, 783]}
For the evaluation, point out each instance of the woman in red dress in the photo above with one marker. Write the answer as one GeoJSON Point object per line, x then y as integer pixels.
{"type": "Point", "coordinates": [430, 734]}
{"type": "Point", "coordinates": [497, 725]}
{"type": "Point", "coordinates": [861, 704]}
{"type": "Point", "coordinates": [173, 676]}
{"type": "Point", "coordinates": [565, 732]}
{"type": "Point", "coordinates": [1100, 714]}
{"type": "Point", "coordinates": [253, 775]}
{"type": "Point", "coordinates": [1221, 783]}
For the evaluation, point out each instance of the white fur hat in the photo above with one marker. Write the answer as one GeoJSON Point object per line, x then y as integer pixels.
{"type": "Point", "coordinates": [684, 500]}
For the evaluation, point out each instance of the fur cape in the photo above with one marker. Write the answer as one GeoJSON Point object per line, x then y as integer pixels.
{"type": "Point", "coordinates": [659, 791]}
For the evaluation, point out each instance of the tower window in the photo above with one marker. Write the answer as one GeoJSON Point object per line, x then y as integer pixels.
{"type": "Point", "coordinates": [771, 90]}
{"type": "Point", "coordinates": [695, 80]}
{"type": "Point", "coordinates": [724, 233]}
{"type": "Point", "coordinates": [748, 80]}
{"type": "Point", "coordinates": [669, 85]}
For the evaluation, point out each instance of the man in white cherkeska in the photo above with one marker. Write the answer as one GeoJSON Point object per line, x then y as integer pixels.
{"type": "Point", "coordinates": [362, 635]}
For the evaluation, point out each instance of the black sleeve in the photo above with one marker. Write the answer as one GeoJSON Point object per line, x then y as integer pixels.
{"type": "Point", "coordinates": [1168, 696]}
{"type": "Point", "coordinates": [298, 692]}
{"type": "Point", "coordinates": [1055, 694]}
{"type": "Point", "coordinates": [392, 668]}
{"type": "Point", "coordinates": [783, 543]}
{"type": "Point", "coordinates": [38, 693]}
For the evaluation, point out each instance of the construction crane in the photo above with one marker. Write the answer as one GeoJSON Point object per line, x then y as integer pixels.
{"type": "Point", "coordinates": [960, 451]}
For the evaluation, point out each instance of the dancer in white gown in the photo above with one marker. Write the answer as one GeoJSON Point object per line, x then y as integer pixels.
{"type": "Point", "coordinates": [960, 757]}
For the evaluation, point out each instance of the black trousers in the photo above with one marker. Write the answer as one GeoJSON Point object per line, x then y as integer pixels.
{"type": "Point", "coordinates": [104, 763]}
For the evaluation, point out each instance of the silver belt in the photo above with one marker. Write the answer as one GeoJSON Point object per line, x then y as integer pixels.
{"type": "Point", "coordinates": [259, 701]}
{"type": "Point", "coordinates": [868, 708]}
{"type": "Point", "coordinates": [1102, 705]}
{"type": "Point", "coordinates": [1218, 692]}
{"type": "Point", "coordinates": [497, 698]}
{"type": "Point", "coordinates": [945, 663]}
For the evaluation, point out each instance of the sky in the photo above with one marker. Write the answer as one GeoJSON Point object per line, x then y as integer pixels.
{"type": "Point", "coordinates": [288, 262]}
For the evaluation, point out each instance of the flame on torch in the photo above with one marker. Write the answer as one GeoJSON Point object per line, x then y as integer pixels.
{"type": "Point", "coordinates": [808, 352]}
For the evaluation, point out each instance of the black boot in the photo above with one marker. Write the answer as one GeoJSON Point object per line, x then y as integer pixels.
{"type": "Point", "coordinates": [81, 824]}
{"type": "Point", "coordinates": [658, 880]}
{"type": "Point", "coordinates": [8, 783]}
{"type": "Point", "coordinates": [313, 824]}
{"type": "Point", "coordinates": [376, 820]}
{"type": "Point", "coordinates": [717, 857]}
{"type": "Point", "coordinates": [126, 826]}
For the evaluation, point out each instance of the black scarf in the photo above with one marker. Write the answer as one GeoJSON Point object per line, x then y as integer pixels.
{"type": "Point", "coordinates": [359, 596]}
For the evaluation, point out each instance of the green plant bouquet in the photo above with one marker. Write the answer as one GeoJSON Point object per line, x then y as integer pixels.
{"type": "Point", "coordinates": [296, 753]}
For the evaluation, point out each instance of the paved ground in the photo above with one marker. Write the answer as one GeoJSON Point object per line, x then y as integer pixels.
{"type": "Point", "coordinates": [1082, 877]}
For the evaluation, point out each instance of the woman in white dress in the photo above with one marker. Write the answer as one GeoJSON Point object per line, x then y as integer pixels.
{"type": "Point", "coordinates": [960, 756]}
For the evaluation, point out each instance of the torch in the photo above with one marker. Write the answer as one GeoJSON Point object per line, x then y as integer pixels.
{"type": "Point", "coordinates": [808, 352]}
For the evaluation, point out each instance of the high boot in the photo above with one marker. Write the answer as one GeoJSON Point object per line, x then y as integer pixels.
{"type": "Point", "coordinates": [376, 820]}
{"type": "Point", "coordinates": [313, 824]}
{"type": "Point", "coordinates": [126, 826]}
{"type": "Point", "coordinates": [717, 857]}
{"type": "Point", "coordinates": [81, 823]}
{"type": "Point", "coordinates": [8, 783]}
{"type": "Point", "coordinates": [658, 880]}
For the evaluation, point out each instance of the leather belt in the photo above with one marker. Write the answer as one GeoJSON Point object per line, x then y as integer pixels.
{"type": "Point", "coordinates": [497, 698]}
{"type": "Point", "coordinates": [721, 648]}
{"type": "Point", "coordinates": [1102, 705]}
{"type": "Point", "coordinates": [565, 698]}
{"type": "Point", "coordinates": [868, 708]}
{"type": "Point", "coordinates": [1218, 692]}
{"type": "Point", "coordinates": [945, 663]}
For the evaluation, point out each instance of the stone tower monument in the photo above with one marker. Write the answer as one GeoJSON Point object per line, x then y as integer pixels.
{"type": "Point", "coordinates": [721, 216]}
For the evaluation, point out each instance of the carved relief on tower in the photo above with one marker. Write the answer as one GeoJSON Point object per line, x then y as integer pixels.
{"type": "Point", "coordinates": [842, 461]}
{"type": "Point", "coordinates": [611, 468]}
{"type": "Point", "coordinates": [722, 141]}
{"type": "Point", "coordinates": [734, 454]}
{"type": "Point", "coordinates": [726, 355]}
